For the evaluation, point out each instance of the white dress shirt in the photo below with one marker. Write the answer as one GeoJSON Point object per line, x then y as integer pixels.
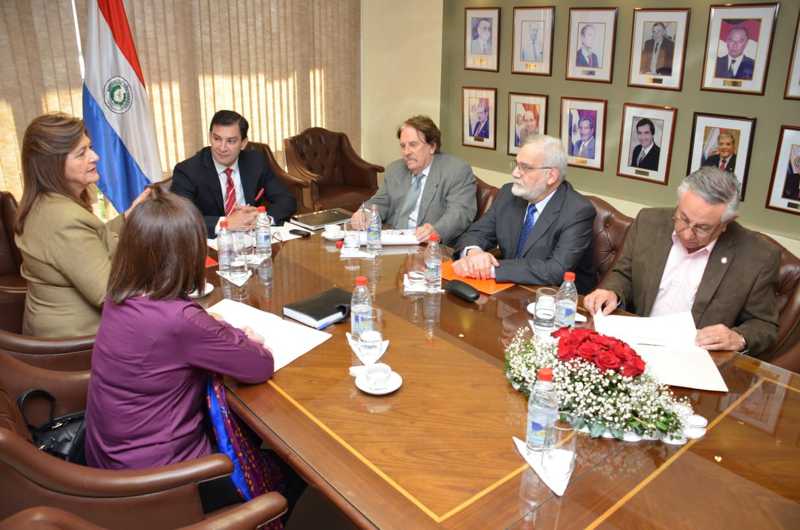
{"type": "Point", "coordinates": [414, 215]}
{"type": "Point", "coordinates": [223, 184]}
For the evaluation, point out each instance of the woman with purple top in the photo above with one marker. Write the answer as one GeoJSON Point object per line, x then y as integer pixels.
{"type": "Point", "coordinates": [155, 348]}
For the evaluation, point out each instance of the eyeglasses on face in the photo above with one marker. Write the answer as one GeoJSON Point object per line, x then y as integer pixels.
{"type": "Point", "coordinates": [525, 169]}
{"type": "Point", "coordinates": [699, 230]}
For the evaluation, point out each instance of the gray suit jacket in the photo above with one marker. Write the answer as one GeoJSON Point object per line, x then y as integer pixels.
{"type": "Point", "coordinates": [561, 239]}
{"type": "Point", "coordinates": [738, 285]}
{"type": "Point", "coordinates": [449, 200]}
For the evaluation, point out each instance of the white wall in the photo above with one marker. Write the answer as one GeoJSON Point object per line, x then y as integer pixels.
{"type": "Point", "coordinates": [401, 70]}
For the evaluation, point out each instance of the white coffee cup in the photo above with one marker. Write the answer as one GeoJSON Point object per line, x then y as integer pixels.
{"type": "Point", "coordinates": [378, 375]}
{"type": "Point", "coordinates": [333, 229]}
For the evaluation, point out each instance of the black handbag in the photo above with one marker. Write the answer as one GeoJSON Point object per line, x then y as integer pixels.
{"type": "Point", "coordinates": [61, 437]}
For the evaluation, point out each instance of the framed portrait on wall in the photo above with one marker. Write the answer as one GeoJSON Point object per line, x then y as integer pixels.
{"type": "Point", "coordinates": [583, 128]}
{"type": "Point", "coordinates": [738, 44]}
{"type": "Point", "coordinates": [793, 77]}
{"type": "Point", "coordinates": [590, 54]}
{"type": "Point", "coordinates": [724, 142]}
{"type": "Point", "coordinates": [532, 48]}
{"type": "Point", "coordinates": [645, 144]}
{"type": "Point", "coordinates": [658, 48]}
{"type": "Point", "coordinates": [482, 39]}
{"type": "Point", "coordinates": [784, 187]}
{"type": "Point", "coordinates": [527, 116]}
{"type": "Point", "coordinates": [479, 117]}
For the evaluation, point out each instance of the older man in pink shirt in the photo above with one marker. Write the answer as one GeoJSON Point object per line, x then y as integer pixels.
{"type": "Point", "coordinates": [697, 258]}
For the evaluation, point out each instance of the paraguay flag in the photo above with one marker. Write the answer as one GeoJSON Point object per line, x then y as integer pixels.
{"type": "Point", "coordinates": [115, 106]}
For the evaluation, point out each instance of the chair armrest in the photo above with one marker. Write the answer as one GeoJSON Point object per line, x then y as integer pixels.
{"type": "Point", "coordinates": [295, 166]}
{"type": "Point", "coordinates": [355, 159]}
{"type": "Point", "coordinates": [39, 346]}
{"type": "Point", "coordinates": [41, 517]}
{"type": "Point", "coordinates": [247, 516]}
{"type": "Point", "coordinates": [69, 388]}
{"type": "Point", "coordinates": [57, 475]}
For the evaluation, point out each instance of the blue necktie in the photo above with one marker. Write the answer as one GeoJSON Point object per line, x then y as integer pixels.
{"type": "Point", "coordinates": [530, 218]}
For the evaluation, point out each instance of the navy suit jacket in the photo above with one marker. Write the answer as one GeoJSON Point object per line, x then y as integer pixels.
{"type": "Point", "coordinates": [483, 132]}
{"type": "Point", "coordinates": [650, 161]}
{"type": "Point", "coordinates": [196, 179]}
{"type": "Point", "coordinates": [591, 63]}
{"type": "Point", "coordinates": [745, 70]}
{"type": "Point", "coordinates": [561, 239]}
{"type": "Point", "coordinates": [730, 165]}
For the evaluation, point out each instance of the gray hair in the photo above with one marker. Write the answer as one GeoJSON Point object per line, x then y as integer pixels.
{"type": "Point", "coordinates": [715, 187]}
{"type": "Point", "coordinates": [553, 152]}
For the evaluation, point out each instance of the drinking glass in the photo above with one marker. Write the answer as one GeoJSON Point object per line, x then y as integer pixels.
{"type": "Point", "coordinates": [370, 337]}
{"type": "Point", "coordinates": [558, 459]}
{"type": "Point", "coordinates": [243, 246]}
{"type": "Point", "coordinates": [544, 315]}
{"type": "Point", "coordinates": [416, 271]}
{"type": "Point", "coordinates": [351, 235]}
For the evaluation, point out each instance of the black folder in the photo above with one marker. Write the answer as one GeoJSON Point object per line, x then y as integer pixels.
{"type": "Point", "coordinates": [322, 310]}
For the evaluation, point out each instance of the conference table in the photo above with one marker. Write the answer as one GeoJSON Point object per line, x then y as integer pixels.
{"type": "Point", "coordinates": [438, 452]}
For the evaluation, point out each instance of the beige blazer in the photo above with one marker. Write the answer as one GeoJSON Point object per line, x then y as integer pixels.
{"type": "Point", "coordinates": [66, 258]}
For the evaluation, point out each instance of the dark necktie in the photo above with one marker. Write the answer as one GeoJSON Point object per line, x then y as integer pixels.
{"type": "Point", "coordinates": [730, 68]}
{"type": "Point", "coordinates": [527, 226]}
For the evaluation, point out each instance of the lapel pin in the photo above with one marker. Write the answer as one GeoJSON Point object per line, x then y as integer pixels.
{"type": "Point", "coordinates": [724, 260]}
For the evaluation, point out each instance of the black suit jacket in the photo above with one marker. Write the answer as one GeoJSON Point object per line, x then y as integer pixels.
{"type": "Point", "coordinates": [196, 179]}
{"type": "Point", "coordinates": [650, 161]}
{"type": "Point", "coordinates": [560, 241]}
{"type": "Point", "coordinates": [730, 165]}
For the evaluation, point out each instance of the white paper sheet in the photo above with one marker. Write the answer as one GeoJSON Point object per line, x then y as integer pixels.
{"type": "Point", "coordinates": [286, 340]}
{"type": "Point", "coordinates": [393, 237]}
{"type": "Point", "coordinates": [667, 346]}
{"type": "Point", "coordinates": [279, 233]}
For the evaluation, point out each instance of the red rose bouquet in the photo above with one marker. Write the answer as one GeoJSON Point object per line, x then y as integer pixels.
{"type": "Point", "coordinates": [607, 353]}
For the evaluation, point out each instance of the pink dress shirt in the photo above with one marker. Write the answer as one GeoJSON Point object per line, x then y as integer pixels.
{"type": "Point", "coordinates": [682, 275]}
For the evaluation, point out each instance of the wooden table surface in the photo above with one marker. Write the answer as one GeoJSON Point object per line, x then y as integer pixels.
{"type": "Point", "coordinates": [438, 452]}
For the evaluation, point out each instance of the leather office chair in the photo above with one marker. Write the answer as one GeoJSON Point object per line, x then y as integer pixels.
{"type": "Point", "coordinates": [299, 188]}
{"type": "Point", "coordinates": [73, 353]}
{"type": "Point", "coordinates": [10, 257]}
{"type": "Point", "coordinates": [786, 350]}
{"type": "Point", "coordinates": [163, 497]}
{"type": "Point", "coordinates": [337, 176]}
{"type": "Point", "coordinates": [486, 194]}
{"type": "Point", "coordinates": [247, 516]}
{"type": "Point", "coordinates": [608, 235]}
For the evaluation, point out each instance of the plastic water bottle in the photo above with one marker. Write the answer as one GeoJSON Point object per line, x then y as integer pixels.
{"type": "Point", "coordinates": [224, 247]}
{"type": "Point", "coordinates": [433, 265]}
{"type": "Point", "coordinates": [566, 302]}
{"type": "Point", "coordinates": [374, 230]}
{"type": "Point", "coordinates": [542, 411]}
{"type": "Point", "coordinates": [263, 235]}
{"type": "Point", "coordinates": [360, 303]}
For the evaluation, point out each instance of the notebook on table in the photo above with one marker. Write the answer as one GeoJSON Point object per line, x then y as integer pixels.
{"type": "Point", "coordinates": [322, 310]}
{"type": "Point", "coordinates": [318, 220]}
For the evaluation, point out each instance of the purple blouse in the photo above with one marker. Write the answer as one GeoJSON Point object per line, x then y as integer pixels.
{"type": "Point", "coordinates": [150, 365]}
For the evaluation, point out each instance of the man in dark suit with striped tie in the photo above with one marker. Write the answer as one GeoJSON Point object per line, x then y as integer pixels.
{"type": "Point", "coordinates": [542, 226]}
{"type": "Point", "coordinates": [224, 181]}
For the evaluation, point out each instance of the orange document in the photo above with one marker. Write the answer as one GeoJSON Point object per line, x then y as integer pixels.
{"type": "Point", "coordinates": [484, 286]}
{"type": "Point", "coordinates": [210, 262]}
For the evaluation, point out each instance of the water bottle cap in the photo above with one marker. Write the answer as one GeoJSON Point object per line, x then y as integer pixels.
{"type": "Point", "coordinates": [545, 374]}
{"type": "Point", "coordinates": [262, 209]}
{"type": "Point", "coordinates": [569, 276]}
{"type": "Point", "coordinates": [361, 280]}
{"type": "Point", "coordinates": [434, 237]}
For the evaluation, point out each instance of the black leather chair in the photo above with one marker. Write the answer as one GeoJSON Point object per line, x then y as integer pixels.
{"type": "Point", "coordinates": [299, 188]}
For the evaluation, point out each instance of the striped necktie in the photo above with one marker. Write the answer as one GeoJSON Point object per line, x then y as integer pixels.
{"type": "Point", "coordinates": [527, 226]}
{"type": "Point", "coordinates": [230, 192]}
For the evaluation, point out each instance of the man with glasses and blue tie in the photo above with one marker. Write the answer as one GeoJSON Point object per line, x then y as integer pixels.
{"type": "Point", "coordinates": [697, 258]}
{"type": "Point", "coordinates": [426, 190]}
{"type": "Point", "coordinates": [542, 226]}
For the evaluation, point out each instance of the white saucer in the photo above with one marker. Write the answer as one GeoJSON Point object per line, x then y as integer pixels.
{"type": "Point", "coordinates": [333, 237]}
{"type": "Point", "coordinates": [395, 382]}
{"type": "Point", "coordinates": [209, 290]}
